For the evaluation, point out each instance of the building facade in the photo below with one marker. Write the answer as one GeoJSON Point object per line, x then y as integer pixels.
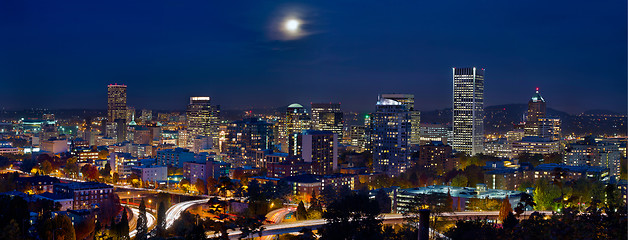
{"type": "Point", "coordinates": [116, 102]}
{"type": "Point", "coordinates": [468, 110]}
{"type": "Point", "coordinates": [390, 136]}
{"type": "Point", "coordinates": [327, 117]}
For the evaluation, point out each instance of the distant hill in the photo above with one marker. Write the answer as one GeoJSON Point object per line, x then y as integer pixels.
{"type": "Point", "coordinates": [501, 118]}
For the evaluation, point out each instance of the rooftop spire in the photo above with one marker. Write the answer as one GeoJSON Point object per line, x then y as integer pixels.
{"type": "Point", "coordinates": [537, 97]}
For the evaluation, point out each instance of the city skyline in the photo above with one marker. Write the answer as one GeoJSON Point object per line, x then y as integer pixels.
{"type": "Point", "coordinates": [166, 49]}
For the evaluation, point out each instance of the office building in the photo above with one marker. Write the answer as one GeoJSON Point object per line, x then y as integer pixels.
{"type": "Point", "coordinates": [174, 157]}
{"type": "Point", "coordinates": [296, 121]}
{"type": "Point", "coordinates": [535, 145]}
{"type": "Point", "coordinates": [202, 119]}
{"type": "Point", "coordinates": [116, 102]}
{"type": "Point", "coordinates": [358, 139]}
{"type": "Point", "coordinates": [468, 110]}
{"type": "Point", "coordinates": [536, 110]}
{"type": "Point", "coordinates": [390, 136]}
{"type": "Point", "coordinates": [433, 132]}
{"type": "Point", "coordinates": [151, 173]}
{"type": "Point", "coordinates": [321, 149]}
{"type": "Point", "coordinates": [327, 117]}
{"type": "Point", "coordinates": [246, 135]}
{"type": "Point", "coordinates": [415, 116]}
{"type": "Point", "coordinates": [549, 128]}
{"type": "Point", "coordinates": [437, 157]}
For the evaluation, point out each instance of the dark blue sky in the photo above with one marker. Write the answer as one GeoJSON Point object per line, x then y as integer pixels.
{"type": "Point", "coordinates": [62, 54]}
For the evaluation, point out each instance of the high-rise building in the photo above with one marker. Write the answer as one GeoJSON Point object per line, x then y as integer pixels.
{"type": "Point", "coordinates": [202, 119]}
{"type": "Point", "coordinates": [327, 117]}
{"type": "Point", "coordinates": [549, 128]}
{"type": "Point", "coordinates": [468, 110]}
{"type": "Point", "coordinates": [415, 116]}
{"type": "Point", "coordinates": [321, 149]}
{"type": "Point", "coordinates": [116, 102]}
{"type": "Point", "coordinates": [244, 136]}
{"type": "Point", "coordinates": [536, 110]}
{"type": "Point", "coordinates": [296, 121]}
{"type": "Point", "coordinates": [357, 136]}
{"type": "Point", "coordinates": [147, 115]}
{"type": "Point", "coordinates": [390, 136]}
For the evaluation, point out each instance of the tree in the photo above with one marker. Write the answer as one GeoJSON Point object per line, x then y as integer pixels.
{"type": "Point", "coordinates": [141, 226]}
{"type": "Point", "coordinates": [161, 220]}
{"type": "Point", "coordinates": [301, 213]}
{"type": "Point", "coordinates": [200, 186]}
{"type": "Point", "coordinates": [505, 209]}
{"type": "Point", "coordinates": [115, 178]}
{"type": "Point", "coordinates": [11, 231]}
{"type": "Point", "coordinates": [103, 154]}
{"type": "Point", "coordinates": [383, 200]}
{"type": "Point", "coordinates": [59, 227]}
{"type": "Point", "coordinates": [123, 226]}
{"type": "Point", "coordinates": [459, 181]}
{"type": "Point", "coordinates": [545, 194]}
{"type": "Point", "coordinates": [353, 216]}
{"type": "Point", "coordinates": [184, 184]}
{"type": "Point", "coordinates": [90, 172]}
{"type": "Point", "coordinates": [212, 185]}
{"type": "Point", "coordinates": [46, 167]}
{"type": "Point", "coordinates": [106, 171]}
{"type": "Point", "coordinates": [71, 167]}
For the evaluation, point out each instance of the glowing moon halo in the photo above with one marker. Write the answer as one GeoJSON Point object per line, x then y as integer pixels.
{"type": "Point", "coordinates": [292, 25]}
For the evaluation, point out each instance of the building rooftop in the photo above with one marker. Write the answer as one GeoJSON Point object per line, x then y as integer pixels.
{"type": "Point", "coordinates": [537, 97]}
{"type": "Point", "coordinates": [38, 178]}
{"type": "Point", "coordinates": [53, 196]}
{"type": "Point", "coordinates": [569, 168]}
{"type": "Point", "coordinates": [295, 105]}
{"type": "Point", "coordinates": [83, 185]}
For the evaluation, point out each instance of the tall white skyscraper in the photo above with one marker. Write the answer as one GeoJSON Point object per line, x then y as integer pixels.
{"type": "Point", "coordinates": [468, 110]}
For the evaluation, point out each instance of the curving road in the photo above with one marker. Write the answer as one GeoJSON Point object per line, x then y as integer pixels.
{"type": "Point", "coordinates": [174, 212]}
{"type": "Point", "coordinates": [281, 228]}
{"type": "Point", "coordinates": [151, 221]}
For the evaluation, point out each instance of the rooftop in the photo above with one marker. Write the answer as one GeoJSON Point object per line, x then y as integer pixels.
{"type": "Point", "coordinates": [84, 185]}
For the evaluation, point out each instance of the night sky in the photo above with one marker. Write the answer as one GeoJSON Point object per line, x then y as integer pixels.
{"type": "Point", "coordinates": [62, 54]}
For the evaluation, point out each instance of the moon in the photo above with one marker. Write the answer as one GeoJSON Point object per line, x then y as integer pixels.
{"type": "Point", "coordinates": [292, 25]}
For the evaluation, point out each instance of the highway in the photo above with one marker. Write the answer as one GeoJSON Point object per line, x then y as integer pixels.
{"type": "Point", "coordinates": [281, 228]}
{"type": "Point", "coordinates": [174, 212]}
{"type": "Point", "coordinates": [151, 221]}
{"type": "Point", "coordinates": [277, 216]}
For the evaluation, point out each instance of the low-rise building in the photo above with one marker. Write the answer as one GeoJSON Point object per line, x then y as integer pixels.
{"type": "Point", "coordinates": [54, 146]}
{"type": "Point", "coordinates": [151, 173]}
{"type": "Point", "coordinates": [84, 194]}
{"type": "Point", "coordinates": [37, 184]}
{"type": "Point", "coordinates": [535, 145]}
{"type": "Point", "coordinates": [174, 157]}
{"type": "Point", "coordinates": [288, 168]}
{"type": "Point", "coordinates": [65, 201]}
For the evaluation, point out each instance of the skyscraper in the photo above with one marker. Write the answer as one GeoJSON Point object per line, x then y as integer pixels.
{"type": "Point", "coordinates": [296, 121]}
{"type": "Point", "coordinates": [415, 116]}
{"type": "Point", "coordinates": [390, 136]}
{"type": "Point", "coordinates": [468, 110]}
{"type": "Point", "coordinates": [321, 149]}
{"type": "Point", "coordinates": [327, 117]}
{"type": "Point", "coordinates": [536, 110]}
{"type": "Point", "coordinates": [116, 102]}
{"type": "Point", "coordinates": [202, 119]}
